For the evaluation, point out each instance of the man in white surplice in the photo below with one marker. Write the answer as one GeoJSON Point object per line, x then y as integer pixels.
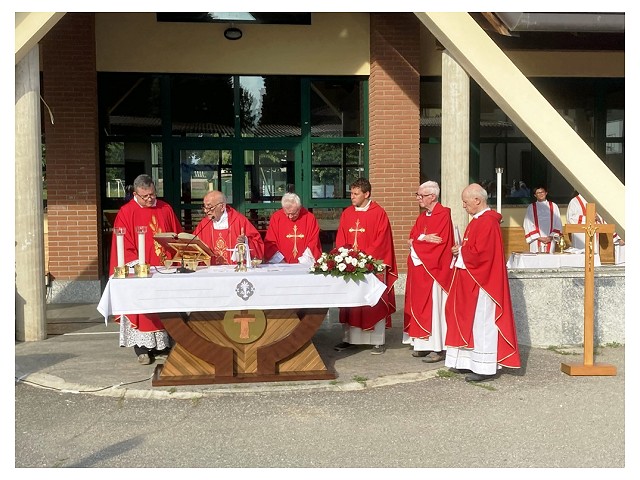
{"type": "Point", "coordinates": [542, 223]}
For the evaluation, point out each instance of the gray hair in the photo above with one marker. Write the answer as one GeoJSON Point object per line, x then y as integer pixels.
{"type": "Point", "coordinates": [476, 191]}
{"type": "Point", "coordinates": [431, 186]}
{"type": "Point", "coordinates": [291, 199]}
{"type": "Point", "coordinates": [143, 181]}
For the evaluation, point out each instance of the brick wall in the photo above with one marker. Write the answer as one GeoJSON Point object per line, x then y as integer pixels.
{"type": "Point", "coordinates": [394, 121]}
{"type": "Point", "coordinates": [73, 196]}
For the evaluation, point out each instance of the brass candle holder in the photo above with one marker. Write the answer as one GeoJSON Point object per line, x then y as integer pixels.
{"type": "Point", "coordinates": [562, 244]}
{"type": "Point", "coordinates": [120, 272]}
{"type": "Point", "coordinates": [241, 250]}
{"type": "Point", "coordinates": [142, 270]}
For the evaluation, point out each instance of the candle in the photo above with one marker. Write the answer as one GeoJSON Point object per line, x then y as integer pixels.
{"type": "Point", "coordinates": [120, 245]}
{"type": "Point", "coordinates": [499, 171]}
{"type": "Point", "coordinates": [142, 230]}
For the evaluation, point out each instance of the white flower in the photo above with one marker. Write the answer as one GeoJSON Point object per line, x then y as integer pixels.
{"type": "Point", "coordinates": [361, 264]}
{"type": "Point", "coordinates": [343, 250]}
{"type": "Point", "coordinates": [338, 258]}
{"type": "Point", "coordinates": [324, 267]}
{"type": "Point", "coordinates": [354, 261]}
{"type": "Point", "coordinates": [348, 259]}
{"type": "Point", "coordinates": [342, 266]}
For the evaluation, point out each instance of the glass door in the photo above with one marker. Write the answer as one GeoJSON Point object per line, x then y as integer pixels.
{"type": "Point", "coordinates": [269, 173]}
{"type": "Point", "coordinates": [201, 170]}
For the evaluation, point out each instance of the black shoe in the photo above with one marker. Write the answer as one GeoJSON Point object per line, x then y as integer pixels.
{"type": "Point", "coordinates": [478, 377]}
{"type": "Point", "coordinates": [420, 353]}
{"type": "Point", "coordinates": [458, 370]}
{"type": "Point", "coordinates": [435, 357]}
{"type": "Point", "coordinates": [378, 350]}
{"type": "Point", "coordinates": [343, 346]}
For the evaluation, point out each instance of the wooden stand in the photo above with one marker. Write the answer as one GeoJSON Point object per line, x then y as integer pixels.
{"type": "Point", "coordinates": [206, 353]}
{"type": "Point", "coordinates": [590, 228]}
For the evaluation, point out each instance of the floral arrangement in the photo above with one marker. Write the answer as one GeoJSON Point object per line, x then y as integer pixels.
{"type": "Point", "coordinates": [348, 263]}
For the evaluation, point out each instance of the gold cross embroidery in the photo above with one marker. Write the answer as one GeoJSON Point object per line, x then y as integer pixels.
{"type": "Point", "coordinates": [295, 237]}
{"type": "Point", "coordinates": [355, 237]}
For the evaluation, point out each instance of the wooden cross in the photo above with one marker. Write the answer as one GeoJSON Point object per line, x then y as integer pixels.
{"type": "Point", "coordinates": [355, 237]}
{"type": "Point", "coordinates": [295, 237]}
{"type": "Point", "coordinates": [244, 319]}
{"type": "Point", "coordinates": [590, 229]}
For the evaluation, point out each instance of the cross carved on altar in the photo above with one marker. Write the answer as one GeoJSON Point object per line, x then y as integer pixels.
{"type": "Point", "coordinates": [590, 228]}
{"type": "Point", "coordinates": [295, 237]}
{"type": "Point", "coordinates": [244, 319]}
{"type": "Point", "coordinates": [355, 237]}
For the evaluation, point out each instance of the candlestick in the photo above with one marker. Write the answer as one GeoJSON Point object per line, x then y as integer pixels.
{"type": "Point", "coordinates": [120, 231]}
{"type": "Point", "coordinates": [142, 230]}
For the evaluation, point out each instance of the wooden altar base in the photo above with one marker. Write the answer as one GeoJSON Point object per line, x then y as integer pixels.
{"type": "Point", "coordinates": [242, 347]}
{"type": "Point", "coordinates": [597, 369]}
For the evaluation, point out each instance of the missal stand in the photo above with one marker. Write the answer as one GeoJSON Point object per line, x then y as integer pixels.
{"type": "Point", "coordinates": [590, 228]}
{"type": "Point", "coordinates": [188, 249]}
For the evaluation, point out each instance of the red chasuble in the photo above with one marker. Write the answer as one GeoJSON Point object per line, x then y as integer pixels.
{"type": "Point", "coordinates": [157, 219]}
{"type": "Point", "coordinates": [370, 232]}
{"type": "Point", "coordinates": [221, 241]}
{"type": "Point", "coordinates": [291, 238]}
{"type": "Point", "coordinates": [483, 256]}
{"type": "Point", "coordinates": [436, 263]}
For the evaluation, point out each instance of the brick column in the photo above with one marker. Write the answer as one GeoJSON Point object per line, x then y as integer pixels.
{"type": "Point", "coordinates": [394, 122]}
{"type": "Point", "coordinates": [71, 152]}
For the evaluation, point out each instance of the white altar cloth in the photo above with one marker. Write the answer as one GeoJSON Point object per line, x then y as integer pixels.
{"type": "Point", "coordinates": [220, 288]}
{"type": "Point", "coordinates": [548, 260]}
{"type": "Point", "coordinates": [619, 254]}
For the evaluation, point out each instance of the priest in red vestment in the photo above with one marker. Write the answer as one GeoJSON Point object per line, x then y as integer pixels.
{"type": "Point", "coordinates": [365, 226]}
{"type": "Point", "coordinates": [224, 227]}
{"type": "Point", "coordinates": [429, 276]}
{"type": "Point", "coordinates": [293, 234]}
{"type": "Point", "coordinates": [144, 332]}
{"type": "Point", "coordinates": [481, 331]}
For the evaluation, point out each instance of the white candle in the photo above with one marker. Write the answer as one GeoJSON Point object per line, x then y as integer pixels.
{"type": "Point", "coordinates": [499, 189]}
{"type": "Point", "coordinates": [141, 259]}
{"type": "Point", "coordinates": [120, 249]}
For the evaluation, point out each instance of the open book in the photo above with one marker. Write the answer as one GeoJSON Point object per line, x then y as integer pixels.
{"type": "Point", "coordinates": [185, 247]}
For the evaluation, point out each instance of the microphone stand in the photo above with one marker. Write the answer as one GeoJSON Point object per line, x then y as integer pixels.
{"type": "Point", "coordinates": [182, 268]}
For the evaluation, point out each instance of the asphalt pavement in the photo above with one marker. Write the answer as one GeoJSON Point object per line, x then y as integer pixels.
{"type": "Point", "coordinates": [78, 399]}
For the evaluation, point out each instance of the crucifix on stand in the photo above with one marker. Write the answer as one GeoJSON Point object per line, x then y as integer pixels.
{"type": "Point", "coordinates": [590, 228]}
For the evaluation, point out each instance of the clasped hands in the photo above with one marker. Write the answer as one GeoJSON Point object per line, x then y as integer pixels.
{"type": "Point", "coordinates": [431, 238]}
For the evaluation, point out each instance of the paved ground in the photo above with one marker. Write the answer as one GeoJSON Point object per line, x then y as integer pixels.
{"type": "Point", "coordinates": [82, 401]}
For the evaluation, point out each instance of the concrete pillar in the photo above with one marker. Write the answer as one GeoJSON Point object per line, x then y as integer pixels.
{"type": "Point", "coordinates": [455, 138]}
{"type": "Point", "coordinates": [31, 318]}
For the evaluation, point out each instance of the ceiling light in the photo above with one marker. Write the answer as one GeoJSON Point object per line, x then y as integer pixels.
{"type": "Point", "coordinates": [233, 33]}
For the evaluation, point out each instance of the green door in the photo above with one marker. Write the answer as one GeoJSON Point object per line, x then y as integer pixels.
{"type": "Point", "coordinates": [253, 177]}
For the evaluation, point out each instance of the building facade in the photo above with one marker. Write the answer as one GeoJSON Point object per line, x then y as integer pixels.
{"type": "Point", "coordinates": [304, 104]}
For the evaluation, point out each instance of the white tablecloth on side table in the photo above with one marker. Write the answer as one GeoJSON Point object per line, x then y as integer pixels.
{"type": "Point", "coordinates": [548, 260]}
{"type": "Point", "coordinates": [619, 254]}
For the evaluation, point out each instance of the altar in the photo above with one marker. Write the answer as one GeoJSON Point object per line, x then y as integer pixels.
{"type": "Point", "coordinates": [233, 327]}
{"type": "Point", "coordinates": [548, 260]}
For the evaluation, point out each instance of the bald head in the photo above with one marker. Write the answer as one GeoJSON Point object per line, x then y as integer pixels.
{"type": "Point", "coordinates": [214, 204]}
{"type": "Point", "coordinates": [474, 199]}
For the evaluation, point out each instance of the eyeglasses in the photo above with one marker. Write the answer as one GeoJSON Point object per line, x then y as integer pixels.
{"type": "Point", "coordinates": [292, 214]}
{"type": "Point", "coordinates": [209, 208]}
{"type": "Point", "coordinates": [147, 196]}
{"type": "Point", "coordinates": [420, 196]}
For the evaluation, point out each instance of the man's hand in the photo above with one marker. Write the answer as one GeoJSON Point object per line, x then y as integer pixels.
{"type": "Point", "coordinates": [455, 250]}
{"type": "Point", "coordinates": [545, 240]}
